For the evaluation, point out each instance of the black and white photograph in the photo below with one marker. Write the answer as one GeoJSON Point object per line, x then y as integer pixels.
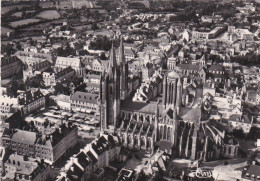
{"type": "Point", "coordinates": [130, 90]}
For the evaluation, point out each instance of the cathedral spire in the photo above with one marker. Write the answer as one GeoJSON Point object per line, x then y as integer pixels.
{"type": "Point", "coordinates": [112, 61]}
{"type": "Point", "coordinates": [121, 53]}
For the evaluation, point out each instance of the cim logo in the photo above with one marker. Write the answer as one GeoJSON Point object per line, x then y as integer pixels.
{"type": "Point", "coordinates": [202, 173]}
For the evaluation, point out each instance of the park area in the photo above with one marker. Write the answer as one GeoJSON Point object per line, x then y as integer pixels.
{"type": "Point", "coordinates": [14, 24]}
{"type": "Point", "coordinates": [49, 14]}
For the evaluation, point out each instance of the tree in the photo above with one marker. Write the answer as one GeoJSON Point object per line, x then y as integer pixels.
{"type": "Point", "coordinates": [238, 133]}
{"type": "Point", "coordinates": [83, 7]}
{"type": "Point", "coordinates": [254, 133]}
{"type": "Point", "coordinates": [94, 27]}
{"type": "Point", "coordinates": [7, 49]}
{"type": "Point", "coordinates": [103, 56]}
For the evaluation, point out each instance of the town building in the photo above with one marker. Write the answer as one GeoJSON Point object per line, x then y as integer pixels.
{"type": "Point", "coordinates": [48, 147]}
{"type": "Point", "coordinates": [35, 69]}
{"type": "Point", "coordinates": [8, 104]}
{"type": "Point", "coordinates": [196, 35]}
{"type": "Point", "coordinates": [18, 167]}
{"type": "Point", "coordinates": [31, 100]}
{"type": "Point", "coordinates": [251, 172]}
{"type": "Point", "coordinates": [89, 163]}
{"type": "Point", "coordinates": [31, 58]}
{"type": "Point", "coordinates": [74, 63]}
{"type": "Point", "coordinates": [240, 122]}
{"type": "Point", "coordinates": [10, 66]}
{"type": "Point", "coordinates": [85, 102]}
{"type": "Point", "coordinates": [253, 97]}
{"type": "Point", "coordinates": [57, 76]}
{"type": "Point", "coordinates": [147, 71]}
{"type": "Point", "coordinates": [125, 174]}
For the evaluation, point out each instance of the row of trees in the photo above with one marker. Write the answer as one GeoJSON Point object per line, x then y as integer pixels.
{"type": "Point", "coordinates": [101, 43]}
{"type": "Point", "coordinates": [247, 60]}
{"type": "Point", "coordinates": [253, 134]}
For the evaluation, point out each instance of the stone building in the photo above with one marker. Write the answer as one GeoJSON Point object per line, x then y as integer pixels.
{"type": "Point", "coordinates": [49, 147]}
{"type": "Point", "coordinates": [10, 66]}
{"type": "Point", "coordinates": [74, 63]}
{"type": "Point", "coordinates": [53, 78]}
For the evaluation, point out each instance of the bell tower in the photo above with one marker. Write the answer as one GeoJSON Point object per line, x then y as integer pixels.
{"type": "Point", "coordinates": [110, 93]}
{"type": "Point", "coordinates": [123, 71]}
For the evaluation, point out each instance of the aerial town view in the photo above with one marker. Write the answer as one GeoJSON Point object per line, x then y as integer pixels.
{"type": "Point", "coordinates": [130, 90]}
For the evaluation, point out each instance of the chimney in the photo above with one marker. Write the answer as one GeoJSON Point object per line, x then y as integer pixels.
{"type": "Point", "coordinates": [60, 130]}
{"type": "Point", "coordinates": [51, 138]}
{"type": "Point", "coordinates": [234, 96]}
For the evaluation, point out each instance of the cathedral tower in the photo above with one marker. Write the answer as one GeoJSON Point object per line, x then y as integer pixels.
{"type": "Point", "coordinates": [110, 93]}
{"type": "Point", "coordinates": [123, 71]}
{"type": "Point", "coordinates": [172, 91]}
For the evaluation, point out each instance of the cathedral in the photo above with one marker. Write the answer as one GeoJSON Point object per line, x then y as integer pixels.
{"type": "Point", "coordinates": [163, 121]}
{"type": "Point", "coordinates": [139, 125]}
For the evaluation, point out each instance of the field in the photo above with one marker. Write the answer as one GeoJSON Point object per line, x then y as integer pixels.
{"type": "Point", "coordinates": [17, 14]}
{"type": "Point", "coordinates": [23, 22]}
{"type": "Point", "coordinates": [49, 14]}
{"type": "Point", "coordinates": [6, 9]}
{"type": "Point", "coordinates": [4, 30]}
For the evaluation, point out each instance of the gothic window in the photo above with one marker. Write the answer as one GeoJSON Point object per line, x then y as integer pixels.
{"type": "Point", "coordinates": [141, 117]}
{"type": "Point", "coordinates": [161, 132]}
{"type": "Point", "coordinates": [148, 143]}
{"type": "Point", "coordinates": [165, 132]}
{"type": "Point", "coordinates": [129, 139]}
{"type": "Point", "coordinates": [111, 91]}
{"type": "Point", "coordinates": [142, 141]}
{"type": "Point", "coordinates": [169, 134]}
{"type": "Point", "coordinates": [135, 140]}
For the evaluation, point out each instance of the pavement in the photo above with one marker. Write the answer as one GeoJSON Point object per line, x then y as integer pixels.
{"type": "Point", "coordinates": [228, 172]}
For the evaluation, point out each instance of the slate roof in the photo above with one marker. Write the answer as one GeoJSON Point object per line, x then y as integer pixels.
{"type": "Point", "coordinates": [215, 67]}
{"type": "Point", "coordinates": [83, 159]}
{"type": "Point", "coordinates": [24, 136]}
{"type": "Point", "coordinates": [194, 67]}
{"type": "Point", "coordinates": [253, 170]}
{"type": "Point", "coordinates": [85, 97]}
{"type": "Point", "coordinates": [251, 95]}
{"type": "Point", "coordinates": [100, 145]}
{"type": "Point", "coordinates": [30, 96]}
{"type": "Point", "coordinates": [139, 106]}
{"type": "Point", "coordinates": [75, 174]}
{"type": "Point", "coordinates": [192, 114]}
{"type": "Point", "coordinates": [69, 62]}
{"type": "Point", "coordinates": [92, 157]}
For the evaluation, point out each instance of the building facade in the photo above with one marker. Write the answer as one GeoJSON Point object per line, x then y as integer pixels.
{"type": "Point", "coordinates": [10, 66]}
